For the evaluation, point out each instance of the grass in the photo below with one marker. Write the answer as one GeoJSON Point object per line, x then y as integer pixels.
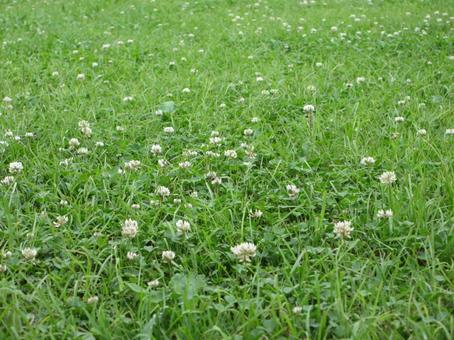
{"type": "Point", "coordinates": [247, 64]}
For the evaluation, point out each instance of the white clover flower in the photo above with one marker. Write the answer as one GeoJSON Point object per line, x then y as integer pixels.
{"type": "Point", "coordinates": [168, 256]}
{"type": "Point", "coordinates": [215, 140]}
{"type": "Point", "coordinates": [169, 129]}
{"type": "Point", "coordinates": [3, 268]}
{"type": "Point", "coordinates": [7, 99]}
{"type": "Point", "coordinates": [82, 151]}
{"type": "Point", "coordinates": [84, 127]}
{"type": "Point", "coordinates": [311, 88]}
{"type": "Point", "coordinates": [244, 251]}
{"type": "Point", "coordinates": [367, 161]}
{"type": "Point", "coordinates": [55, 74]}
{"type": "Point", "coordinates": [86, 131]}
{"type": "Point", "coordinates": [99, 144]}
{"type": "Point", "coordinates": [449, 132]}
{"type": "Point", "coordinates": [7, 180]}
{"type": "Point", "coordinates": [256, 214]}
{"type": "Point", "coordinates": [385, 213]}
{"type": "Point", "coordinates": [153, 283]}
{"type": "Point", "coordinates": [360, 80]}
{"type": "Point", "coordinates": [73, 143]}
{"type": "Point", "coordinates": [308, 108]}
{"type": "Point", "coordinates": [29, 253]}
{"type": "Point", "coordinates": [395, 135]}
{"type": "Point", "coordinates": [216, 180]}
{"type": "Point", "coordinates": [29, 134]}
{"type": "Point", "coordinates": [135, 206]}
{"type": "Point", "coordinates": [119, 128]}
{"type": "Point", "coordinates": [133, 165]}
{"type": "Point", "coordinates": [399, 119]}
{"type": "Point", "coordinates": [185, 165]}
{"type": "Point", "coordinates": [66, 162]}
{"type": "Point", "coordinates": [421, 132]}
{"type": "Point", "coordinates": [186, 90]}
{"type": "Point", "coordinates": [15, 167]}
{"type": "Point", "coordinates": [343, 229]}
{"type": "Point", "coordinates": [60, 221]}
{"type": "Point", "coordinates": [155, 149]}
{"type": "Point", "coordinates": [183, 226]}
{"type": "Point", "coordinates": [163, 191]}
{"type": "Point", "coordinates": [388, 177]}
{"type": "Point", "coordinates": [230, 154]}
{"type": "Point", "coordinates": [80, 76]}
{"type": "Point", "coordinates": [292, 190]}
{"type": "Point", "coordinates": [158, 113]}
{"type": "Point", "coordinates": [212, 154]}
{"type": "Point", "coordinates": [259, 79]}
{"type": "Point", "coordinates": [163, 163]}
{"type": "Point", "coordinates": [248, 132]}
{"type": "Point", "coordinates": [255, 119]}
{"type": "Point", "coordinates": [9, 133]}
{"type": "Point", "coordinates": [128, 99]}
{"type": "Point", "coordinates": [92, 300]}
{"type": "Point", "coordinates": [190, 153]}
{"type": "Point", "coordinates": [130, 228]}
{"type": "Point", "coordinates": [94, 64]}
{"type": "Point", "coordinates": [131, 255]}
{"type": "Point", "coordinates": [297, 309]}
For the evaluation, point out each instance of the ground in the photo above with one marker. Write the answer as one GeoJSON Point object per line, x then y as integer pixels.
{"type": "Point", "coordinates": [227, 169]}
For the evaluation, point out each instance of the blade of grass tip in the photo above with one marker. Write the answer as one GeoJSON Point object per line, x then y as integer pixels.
{"type": "Point", "coordinates": [297, 262]}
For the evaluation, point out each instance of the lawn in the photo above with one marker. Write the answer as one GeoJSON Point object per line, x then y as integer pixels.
{"type": "Point", "coordinates": [227, 169]}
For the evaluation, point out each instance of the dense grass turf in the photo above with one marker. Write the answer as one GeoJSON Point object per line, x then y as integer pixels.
{"type": "Point", "coordinates": [120, 207]}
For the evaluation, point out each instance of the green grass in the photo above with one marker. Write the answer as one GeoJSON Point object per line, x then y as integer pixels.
{"type": "Point", "coordinates": [393, 278]}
